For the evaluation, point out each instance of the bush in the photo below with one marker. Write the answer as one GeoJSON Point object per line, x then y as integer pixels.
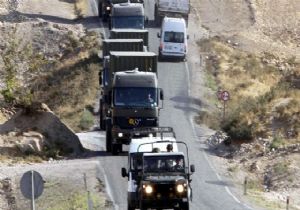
{"type": "Point", "coordinates": [238, 130]}
{"type": "Point", "coordinates": [276, 142]}
{"type": "Point", "coordinates": [87, 120]}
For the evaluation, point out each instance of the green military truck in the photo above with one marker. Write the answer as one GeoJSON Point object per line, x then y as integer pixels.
{"type": "Point", "coordinates": [131, 98]}
{"type": "Point", "coordinates": [107, 46]}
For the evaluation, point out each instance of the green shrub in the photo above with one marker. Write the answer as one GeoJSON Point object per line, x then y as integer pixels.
{"type": "Point", "coordinates": [276, 142]}
{"type": "Point", "coordinates": [87, 120]}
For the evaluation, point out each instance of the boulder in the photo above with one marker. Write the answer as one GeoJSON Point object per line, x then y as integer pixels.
{"type": "Point", "coordinates": [56, 134]}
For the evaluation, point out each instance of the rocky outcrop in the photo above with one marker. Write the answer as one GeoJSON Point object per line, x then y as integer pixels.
{"type": "Point", "coordinates": [54, 133]}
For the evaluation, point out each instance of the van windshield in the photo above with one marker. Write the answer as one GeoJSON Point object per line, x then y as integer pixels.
{"type": "Point", "coordinates": [175, 37]}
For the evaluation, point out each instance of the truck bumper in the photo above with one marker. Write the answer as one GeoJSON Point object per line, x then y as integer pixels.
{"type": "Point", "coordinates": [166, 203]}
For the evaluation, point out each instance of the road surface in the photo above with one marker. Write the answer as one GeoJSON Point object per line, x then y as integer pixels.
{"type": "Point", "coordinates": [210, 192]}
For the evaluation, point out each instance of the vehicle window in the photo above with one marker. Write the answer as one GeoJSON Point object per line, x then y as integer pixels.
{"type": "Point", "coordinates": [175, 37]}
{"type": "Point", "coordinates": [137, 97]}
{"type": "Point", "coordinates": [158, 164]}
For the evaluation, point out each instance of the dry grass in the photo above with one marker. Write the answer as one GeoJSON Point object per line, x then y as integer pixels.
{"type": "Point", "coordinates": [255, 86]}
{"type": "Point", "coordinates": [81, 8]}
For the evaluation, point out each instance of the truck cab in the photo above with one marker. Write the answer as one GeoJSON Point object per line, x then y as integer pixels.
{"type": "Point", "coordinates": [127, 16]}
{"type": "Point", "coordinates": [157, 178]}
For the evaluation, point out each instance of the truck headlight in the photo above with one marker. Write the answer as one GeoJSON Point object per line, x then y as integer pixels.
{"type": "Point", "coordinates": [120, 135]}
{"type": "Point", "coordinates": [148, 189]}
{"type": "Point", "coordinates": [107, 8]}
{"type": "Point", "coordinates": [180, 188]}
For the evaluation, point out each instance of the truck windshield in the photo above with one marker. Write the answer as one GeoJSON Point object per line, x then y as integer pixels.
{"type": "Point", "coordinates": [175, 37]}
{"type": "Point", "coordinates": [135, 97]}
{"type": "Point", "coordinates": [136, 22]}
{"type": "Point", "coordinates": [167, 163]}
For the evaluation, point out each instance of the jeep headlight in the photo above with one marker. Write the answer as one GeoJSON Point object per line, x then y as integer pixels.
{"type": "Point", "coordinates": [120, 135]}
{"type": "Point", "coordinates": [180, 188]}
{"type": "Point", "coordinates": [148, 189]}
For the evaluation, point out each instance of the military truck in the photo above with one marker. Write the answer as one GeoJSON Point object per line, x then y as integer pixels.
{"type": "Point", "coordinates": [121, 61]}
{"type": "Point", "coordinates": [134, 101]}
{"type": "Point", "coordinates": [127, 15]}
{"type": "Point", "coordinates": [158, 178]}
{"type": "Point", "coordinates": [171, 8]}
{"type": "Point", "coordinates": [109, 45]}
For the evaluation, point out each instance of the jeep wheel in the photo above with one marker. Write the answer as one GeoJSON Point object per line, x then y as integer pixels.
{"type": "Point", "coordinates": [129, 207]}
{"type": "Point", "coordinates": [184, 206]}
{"type": "Point", "coordinates": [108, 140]}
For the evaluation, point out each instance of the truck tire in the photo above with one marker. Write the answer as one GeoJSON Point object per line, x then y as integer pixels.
{"type": "Point", "coordinates": [100, 11]}
{"type": "Point", "coordinates": [102, 121]}
{"type": "Point", "coordinates": [115, 149]}
{"type": "Point", "coordinates": [108, 140]}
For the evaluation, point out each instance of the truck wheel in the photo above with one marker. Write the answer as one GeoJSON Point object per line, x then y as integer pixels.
{"type": "Point", "coordinates": [100, 13]}
{"type": "Point", "coordinates": [115, 149]}
{"type": "Point", "coordinates": [102, 121]}
{"type": "Point", "coordinates": [108, 140]}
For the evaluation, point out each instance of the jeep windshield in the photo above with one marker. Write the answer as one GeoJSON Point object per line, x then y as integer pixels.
{"type": "Point", "coordinates": [163, 164]}
{"type": "Point", "coordinates": [136, 22]}
{"type": "Point", "coordinates": [135, 97]}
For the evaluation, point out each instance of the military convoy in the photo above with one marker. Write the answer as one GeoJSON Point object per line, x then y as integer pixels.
{"type": "Point", "coordinates": [159, 175]}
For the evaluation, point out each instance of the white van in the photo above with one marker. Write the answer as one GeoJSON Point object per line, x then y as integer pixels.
{"type": "Point", "coordinates": [173, 38]}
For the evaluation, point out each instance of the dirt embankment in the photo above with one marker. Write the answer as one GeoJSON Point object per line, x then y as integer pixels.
{"type": "Point", "coordinates": [47, 56]}
{"type": "Point", "coordinates": [252, 49]}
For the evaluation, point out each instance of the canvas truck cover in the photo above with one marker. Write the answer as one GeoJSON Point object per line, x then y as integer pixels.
{"type": "Point", "coordinates": [130, 34]}
{"type": "Point", "coordinates": [121, 45]}
{"type": "Point", "coordinates": [129, 60]}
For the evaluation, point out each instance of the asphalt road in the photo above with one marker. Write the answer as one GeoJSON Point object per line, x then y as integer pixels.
{"type": "Point", "coordinates": [210, 191]}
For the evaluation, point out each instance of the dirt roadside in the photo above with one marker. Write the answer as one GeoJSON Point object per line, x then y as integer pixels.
{"type": "Point", "coordinates": [47, 25]}
{"type": "Point", "coordinates": [256, 28]}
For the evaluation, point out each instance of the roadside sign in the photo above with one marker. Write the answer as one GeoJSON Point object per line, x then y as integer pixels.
{"type": "Point", "coordinates": [225, 95]}
{"type": "Point", "coordinates": [32, 184]}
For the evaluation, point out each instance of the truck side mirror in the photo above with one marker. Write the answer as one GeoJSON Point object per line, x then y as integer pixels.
{"type": "Point", "coordinates": [124, 172]}
{"type": "Point", "coordinates": [192, 168]}
{"type": "Point", "coordinates": [158, 35]}
{"type": "Point", "coordinates": [146, 20]}
{"type": "Point", "coordinates": [188, 36]}
{"type": "Point", "coordinates": [161, 94]}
